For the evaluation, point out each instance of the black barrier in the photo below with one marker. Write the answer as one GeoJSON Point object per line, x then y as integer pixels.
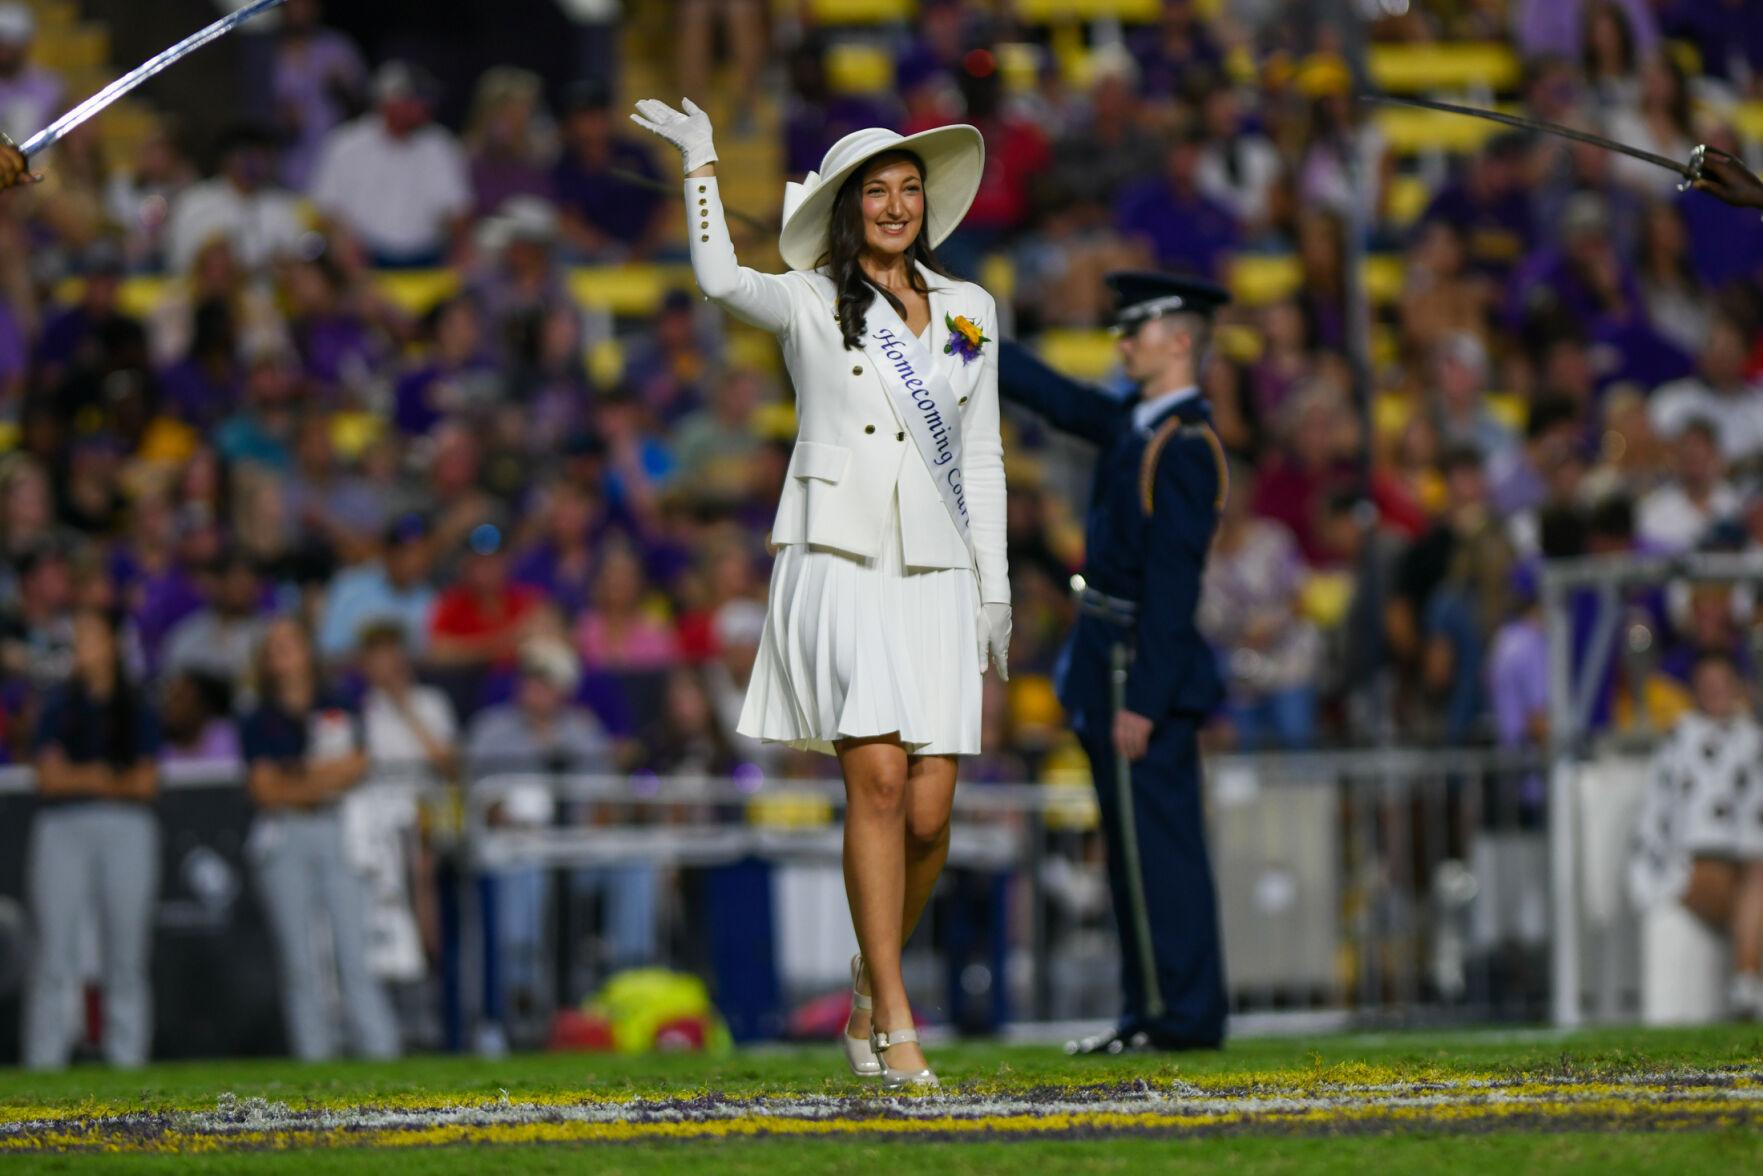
{"type": "Point", "coordinates": [214, 975]}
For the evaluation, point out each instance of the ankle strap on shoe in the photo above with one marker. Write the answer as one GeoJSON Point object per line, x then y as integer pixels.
{"type": "Point", "coordinates": [897, 1037]}
{"type": "Point", "coordinates": [859, 1001]}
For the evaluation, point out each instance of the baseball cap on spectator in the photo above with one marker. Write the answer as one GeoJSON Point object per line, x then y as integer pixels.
{"type": "Point", "coordinates": [1585, 215]}
{"type": "Point", "coordinates": [550, 660]}
{"type": "Point", "coordinates": [739, 623]}
{"type": "Point", "coordinates": [584, 443]}
{"type": "Point", "coordinates": [379, 632]}
{"type": "Point", "coordinates": [18, 24]}
{"type": "Point", "coordinates": [402, 79]}
{"type": "Point", "coordinates": [1114, 62]}
{"type": "Point", "coordinates": [486, 539]}
{"type": "Point", "coordinates": [406, 528]}
{"type": "Point", "coordinates": [102, 258]}
{"type": "Point", "coordinates": [587, 94]}
{"type": "Point", "coordinates": [520, 219]}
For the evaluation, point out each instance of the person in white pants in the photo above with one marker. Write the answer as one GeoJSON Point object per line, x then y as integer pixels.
{"type": "Point", "coordinates": [1700, 837]}
{"type": "Point", "coordinates": [94, 853]}
{"type": "Point", "coordinates": [302, 754]}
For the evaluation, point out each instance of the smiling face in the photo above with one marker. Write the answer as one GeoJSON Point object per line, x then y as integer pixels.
{"type": "Point", "coordinates": [892, 203]}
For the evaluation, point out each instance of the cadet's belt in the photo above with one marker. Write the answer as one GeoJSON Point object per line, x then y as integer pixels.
{"type": "Point", "coordinates": [1116, 609]}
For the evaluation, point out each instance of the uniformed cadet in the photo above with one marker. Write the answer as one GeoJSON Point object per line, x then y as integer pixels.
{"type": "Point", "coordinates": [94, 853]}
{"type": "Point", "coordinates": [1135, 677]}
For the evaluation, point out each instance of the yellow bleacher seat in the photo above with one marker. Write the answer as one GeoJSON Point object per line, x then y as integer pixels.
{"type": "Point", "coordinates": [997, 274]}
{"type": "Point", "coordinates": [1085, 355]}
{"type": "Point", "coordinates": [754, 349]}
{"type": "Point", "coordinates": [857, 12]}
{"type": "Point", "coordinates": [1409, 196]}
{"type": "Point", "coordinates": [1412, 131]}
{"type": "Point", "coordinates": [1019, 62]}
{"type": "Point", "coordinates": [1383, 278]}
{"type": "Point", "coordinates": [418, 290]}
{"type": "Point", "coordinates": [1239, 342]}
{"type": "Point", "coordinates": [605, 362]}
{"type": "Point", "coordinates": [1747, 119]}
{"type": "Point", "coordinates": [1057, 11]}
{"type": "Point", "coordinates": [1257, 279]}
{"type": "Point", "coordinates": [629, 290]}
{"type": "Point", "coordinates": [1422, 68]}
{"type": "Point", "coordinates": [856, 68]}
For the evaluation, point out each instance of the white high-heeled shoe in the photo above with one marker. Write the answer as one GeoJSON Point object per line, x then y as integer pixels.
{"type": "Point", "coordinates": [859, 1052]}
{"type": "Point", "coordinates": [893, 1079]}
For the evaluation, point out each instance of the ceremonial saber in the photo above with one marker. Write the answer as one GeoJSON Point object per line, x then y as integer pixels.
{"type": "Point", "coordinates": [1691, 171]}
{"type": "Point", "coordinates": [52, 134]}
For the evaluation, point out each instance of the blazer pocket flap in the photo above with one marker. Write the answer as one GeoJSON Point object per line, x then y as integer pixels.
{"type": "Point", "coordinates": [815, 460]}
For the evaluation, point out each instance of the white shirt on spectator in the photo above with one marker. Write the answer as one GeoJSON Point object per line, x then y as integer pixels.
{"type": "Point", "coordinates": [1739, 416]}
{"type": "Point", "coordinates": [259, 225]}
{"type": "Point", "coordinates": [397, 195]}
{"type": "Point", "coordinates": [1246, 189]}
{"type": "Point", "coordinates": [1669, 521]}
{"type": "Point", "coordinates": [392, 742]}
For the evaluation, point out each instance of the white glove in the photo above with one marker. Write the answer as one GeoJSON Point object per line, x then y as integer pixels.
{"type": "Point", "coordinates": [994, 638]}
{"type": "Point", "coordinates": [690, 132]}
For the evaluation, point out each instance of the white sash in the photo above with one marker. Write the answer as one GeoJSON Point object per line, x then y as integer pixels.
{"type": "Point", "coordinates": [924, 401]}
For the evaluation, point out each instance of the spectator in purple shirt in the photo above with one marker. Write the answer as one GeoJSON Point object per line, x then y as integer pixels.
{"type": "Point", "coordinates": [457, 378]}
{"type": "Point", "coordinates": [1186, 231]}
{"type": "Point", "coordinates": [1173, 51]}
{"type": "Point", "coordinates": [509, 142]}
{"type": "Point", "coordinates": [340, 350]}
{"type": "Point", "coordinates": [562, 563]}
{"type": "Point", "coordinates": [815, 118]}
{"type": "Point", "coordinates": [1488, 205]}
{"type": "Point", "coordinates": [202, 389]}
{"type": "Point", "coordinates": [604, 217]}
{"type": "Point", "coordinates": [1564, 26]}
{"type": "Point", "coordinates": [320, 81]}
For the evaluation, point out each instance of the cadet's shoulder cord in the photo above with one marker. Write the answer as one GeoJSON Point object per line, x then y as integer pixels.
{"type": "Point", "coordinates": [1154, 451]}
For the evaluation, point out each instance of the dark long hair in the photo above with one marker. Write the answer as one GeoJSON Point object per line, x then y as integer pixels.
{"type": "Point", "coordinates": [119, 722]}
{"type": "Point", "coordinates": [845, 244]}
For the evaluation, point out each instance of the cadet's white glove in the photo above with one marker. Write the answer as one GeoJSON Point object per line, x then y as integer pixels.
{"type": "Point", "coordinates": [690, 131]}
{"type": "Point", "coordinates": [994, 638]}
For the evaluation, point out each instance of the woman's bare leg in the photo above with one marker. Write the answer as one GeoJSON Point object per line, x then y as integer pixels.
{"type": "Point", "coordinates": [1711, 891]}
{"type": "Point", "coordinates": [930, 793]}
{"type": "Point", "coordinates": [875, 877]}
{"type": "Point", "coordinates": [1747, 919]}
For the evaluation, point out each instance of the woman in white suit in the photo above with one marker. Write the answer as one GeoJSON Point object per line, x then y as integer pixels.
{"type": "Point", "coordinates": [890, 587]}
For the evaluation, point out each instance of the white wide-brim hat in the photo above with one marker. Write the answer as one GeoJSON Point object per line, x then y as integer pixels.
{"type": "Point", "coordinates": [954, 160]}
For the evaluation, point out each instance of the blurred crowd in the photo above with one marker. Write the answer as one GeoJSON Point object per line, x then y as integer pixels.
{"type": "Point", "coordinates": [554, 517]}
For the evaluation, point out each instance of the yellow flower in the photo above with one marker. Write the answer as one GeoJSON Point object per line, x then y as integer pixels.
{"type": "Point", "coordinates": [969, 330]}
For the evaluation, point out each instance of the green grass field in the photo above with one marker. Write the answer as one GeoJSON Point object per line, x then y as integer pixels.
{"type": "Point", "coordinates": [1616, 1100]}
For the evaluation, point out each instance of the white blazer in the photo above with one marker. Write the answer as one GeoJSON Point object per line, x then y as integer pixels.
{"type": "Point", "coordinates": [852, 451]}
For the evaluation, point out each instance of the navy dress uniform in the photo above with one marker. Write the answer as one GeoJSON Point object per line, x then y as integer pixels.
{"type": "Point", "coordinates": [1155, 498]}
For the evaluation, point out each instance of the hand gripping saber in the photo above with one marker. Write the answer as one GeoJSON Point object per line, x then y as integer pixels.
{"type": "Point", "coordinates": [1691, 171]}
{"type": "Point", "coordinates": [52, 134]}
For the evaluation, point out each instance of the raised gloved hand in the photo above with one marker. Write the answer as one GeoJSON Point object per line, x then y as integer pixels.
{"type": "Point", "coordinates": [689, 131]}
{"type": "Point", "coordinates": [994, 638]}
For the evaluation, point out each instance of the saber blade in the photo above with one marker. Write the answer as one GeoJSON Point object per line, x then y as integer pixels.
{"type": "Point", "coordinates": [1687, 171]}
{"type": "Point", "coordinates": [52, 134]}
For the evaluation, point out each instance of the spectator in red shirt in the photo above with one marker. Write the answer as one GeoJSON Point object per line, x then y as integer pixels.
{"type": "Point", "coordinates": [1016, 152]}
{"type": "Point", "coordinates": [478, 621]}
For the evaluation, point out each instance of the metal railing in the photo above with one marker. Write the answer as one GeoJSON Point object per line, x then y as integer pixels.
{"type": "Point", "coordinates": [1379, 887]}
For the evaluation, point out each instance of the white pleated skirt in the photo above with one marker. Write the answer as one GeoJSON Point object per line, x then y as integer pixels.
{"type": "Point", "coordinates": [857, 647]}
